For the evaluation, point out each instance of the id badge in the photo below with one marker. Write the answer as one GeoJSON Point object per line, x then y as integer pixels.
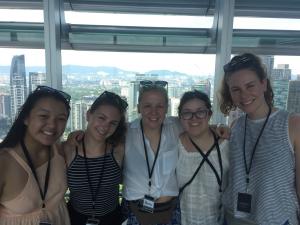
{"type": "Point", "coordinates": [44, 223]}
{"type": "Point", "coordinates": [92, 221]}
{"type": "Point", "coordinates": [148, 204]}
{"type": "Point", "coordinates": [244, 202]}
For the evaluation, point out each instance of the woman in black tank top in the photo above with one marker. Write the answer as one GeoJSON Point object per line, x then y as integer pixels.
{"type": "Point", "coordinates": [94, 167]}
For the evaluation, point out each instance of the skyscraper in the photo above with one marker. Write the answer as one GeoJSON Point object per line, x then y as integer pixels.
{"type": "Point", "coordinates": [18, 88]}
{"type": "Point", "coordinates": [268, 61]}
{"type": "Point", "coordinates": [282, 72]}
{"type": "Point", "coordinates": [204, 86]}
{"type": "Point", "coordinates": [293, 103]}
{"type": "Point", "coordinates": [5, 105]}
{"type": "Point", "coordinates": [36, 79]}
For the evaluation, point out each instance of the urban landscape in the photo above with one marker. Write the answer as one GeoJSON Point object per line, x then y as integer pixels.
{"type": "Point", "coordinates": [84, 84]}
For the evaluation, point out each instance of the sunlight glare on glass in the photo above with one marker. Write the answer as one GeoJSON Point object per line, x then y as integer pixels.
{"type": "Point", "coordinates": [118, 19]}
{"type": "Point", "coordinates": [21, 15]}
{"type": "Point", "coordinates": [266, 23]}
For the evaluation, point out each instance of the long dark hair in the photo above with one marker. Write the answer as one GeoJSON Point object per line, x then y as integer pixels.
{"type": "Point", "coordinates": [110, 98]}
{"type": "Point", "coordinates": [18, 128]}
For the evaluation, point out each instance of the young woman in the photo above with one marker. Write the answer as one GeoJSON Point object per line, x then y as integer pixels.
{"type": "Point", "coordinates": [32, 180]}
{"type": "Point", "coordinates": [264, 174]}
{"type": "Point", "coordinates": [94, 167]}
{"type": "Point", "coordinates": [150, 185]}
{"type": "Point", "coordinates": [202, 165]}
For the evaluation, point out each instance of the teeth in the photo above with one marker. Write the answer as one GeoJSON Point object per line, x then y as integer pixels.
{"type": "Point", "coordinates": [101, 132]}
{"type": "Point", "coordinates": [48, 133]}
{"type": "Point", "coordinates": [247, 103]}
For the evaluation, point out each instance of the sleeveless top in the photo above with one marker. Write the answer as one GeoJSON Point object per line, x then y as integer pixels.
{"type": "Point", "coordinates": [26, 207]}
{"type": "Point", "coordinates": [272, 176]}
{"type": "Point", "coordinates": [108, 195]}
{"type": "Point", "coordinates": [200, 200]}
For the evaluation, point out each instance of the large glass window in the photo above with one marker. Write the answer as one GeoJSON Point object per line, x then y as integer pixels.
{"type": "Point", "coordinates": [87, 74]}
{"type": "Point", "coordinates": [21, 70]}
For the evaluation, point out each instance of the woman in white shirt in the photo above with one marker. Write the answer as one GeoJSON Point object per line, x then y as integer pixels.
{"type": "Point", "coordinates": [151, 153]}
{"type": "Point", "coordinates": [203, 163]}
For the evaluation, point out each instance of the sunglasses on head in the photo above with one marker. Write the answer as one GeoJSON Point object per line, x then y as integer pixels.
{"type": "Point", "coordinates": [238, 62]}
{"type": "Point", "coordinates": [116, 98]}
{"type": "Point", "coordinates": [42, 88]}
{"type": "Point", "coordinates": [150, 83]}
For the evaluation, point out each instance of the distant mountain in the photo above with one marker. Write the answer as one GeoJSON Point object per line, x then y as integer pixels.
{"type": "Point", "coordinates": [101, 70]}
{"type": "Point", "coordinates": [167, 73]}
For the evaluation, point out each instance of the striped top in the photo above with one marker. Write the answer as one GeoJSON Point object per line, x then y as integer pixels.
{"type": "Point", "coordinates": [108, 195]}
{"type": "Point", "coordinates": [272, 176]}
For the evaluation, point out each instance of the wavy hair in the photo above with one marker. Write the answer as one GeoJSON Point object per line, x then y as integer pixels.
{"type": "Point", "coordinates": [244, 61]}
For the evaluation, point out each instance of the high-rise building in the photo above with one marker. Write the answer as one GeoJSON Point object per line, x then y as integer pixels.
{"type": "Point", "coordinates": [78, 112]}
{"type": "Point", "coordinates": [280, 89]}
{"type": "Point", "coordinates": [293, 103]}
{"type": "Point", "coordinates": [5, 105]}
{"type": "Point", "coordinates": [36, 79]}
{"type": "Point", "coordinates": [282, 72]}
{"type": "Point", "coordinates": [268, 61]}
{"type": "Point", "coordinates": [18, 88]}
{"type": "Point", "coordinates": [204, 86]}
{"type": "Point", "coordinates": [174, 103]}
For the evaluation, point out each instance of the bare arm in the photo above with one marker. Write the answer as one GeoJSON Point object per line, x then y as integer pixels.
{"type": "Point", "coordinates": [2, 169]}
{"type": "Point", "coordinates": [294, 130]}
{"type": "Point", "coordinates": [69, 146]}
{"type": "Point", "coordinates": [119, 154]}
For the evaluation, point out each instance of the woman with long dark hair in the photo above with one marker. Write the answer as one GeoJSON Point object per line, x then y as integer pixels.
{"type": "Point", "coordinates": [32, 167]}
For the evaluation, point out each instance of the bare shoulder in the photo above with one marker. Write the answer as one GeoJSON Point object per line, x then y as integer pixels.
{"type": "Point", "coordinates": [184, 139]}
{"type": "Point", "coordinates": [3, 167]}
{"type": "Point", "coordinates": [5, 158]}
{"type": "Point", "coordinates": [119, 152]}
{"type": "Point", "coordinates": [294, 128]}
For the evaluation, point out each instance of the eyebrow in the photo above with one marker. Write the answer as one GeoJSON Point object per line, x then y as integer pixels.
{"type": "Point", "coordinates": [39, 109]}
{"type": "Point", "coordinates": [102, 114]}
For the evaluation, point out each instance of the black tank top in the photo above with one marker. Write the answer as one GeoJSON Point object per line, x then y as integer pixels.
{"type": "Point", "coordinates": [80, 195]}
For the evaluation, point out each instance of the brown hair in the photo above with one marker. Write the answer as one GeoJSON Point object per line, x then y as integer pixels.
{"type": "Point", "coordinates": [244, 61]}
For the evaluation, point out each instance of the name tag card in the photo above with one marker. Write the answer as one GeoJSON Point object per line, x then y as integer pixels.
{"type": "Point", "coordinates": [92, 221]}
{"type": "Point", "coordinates": [45, 223]}
{"type": "Point", "coordinates": [244, 202]}
{"type": "Point", "coordinates": [148, 204]}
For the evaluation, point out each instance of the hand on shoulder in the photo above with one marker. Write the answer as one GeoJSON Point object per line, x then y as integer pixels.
{"type": "Point", "coordinates": [119, 152]}
{"type": "Point", "coordinates": [294, 130]}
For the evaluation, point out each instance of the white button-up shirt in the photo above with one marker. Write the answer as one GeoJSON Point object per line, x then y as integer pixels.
{"type": "Point", "coordinates": [136, 177]}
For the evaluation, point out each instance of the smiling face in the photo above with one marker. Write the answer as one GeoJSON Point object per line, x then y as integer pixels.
{"type": "Point", "coordinates": [247, 92]}
{"type": "Point", "coordinates": [195, 126]}
{"type": "Point", "coordinates": [103, 122]}
{"type": "Point", "coordinates": [153, 108]}
{"type": "Point", "coordinates": [46, 121]}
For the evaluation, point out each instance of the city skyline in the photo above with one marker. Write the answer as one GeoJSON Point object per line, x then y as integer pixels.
{"type": "Point", "coordinates": [193, 64]}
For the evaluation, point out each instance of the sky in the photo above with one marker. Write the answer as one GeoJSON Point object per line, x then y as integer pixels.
{"type": "Point", "coordinates": [194, 64]}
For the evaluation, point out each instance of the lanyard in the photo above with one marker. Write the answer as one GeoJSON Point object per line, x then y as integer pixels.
{"type": "Point", "coordinates": [150, 171]}
{"type": "Point", "coordinates": [254, 148]}
{"type": "Point", "coordinates": [94, 195]}
{"type": "Point", "coordinates": [30, 164]}
{"type": "Point", "coordinates": [205, 159]}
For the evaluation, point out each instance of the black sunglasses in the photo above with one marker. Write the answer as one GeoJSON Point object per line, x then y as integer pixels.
{"type": "Point", "coordinates": [238, 62]}
{"type": "Point", "coordinates": [116, 98]}
{"type": "Point", "coordinates": [200, 114]}
{"type": "Point", "coordinates": [48, 89]}
{"type": "Point", "coordinates": [150, 83]}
